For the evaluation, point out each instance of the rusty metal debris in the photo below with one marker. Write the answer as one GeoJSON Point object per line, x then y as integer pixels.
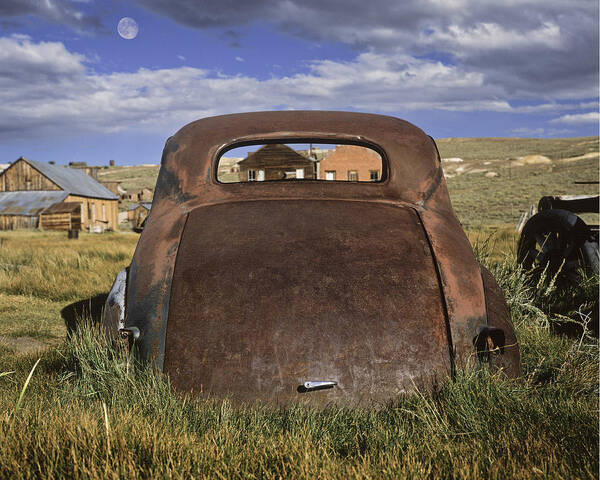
{"type": "Point", "coordinates": [248, 290]}
{"type": "Point", "coordinates": [558, 243]}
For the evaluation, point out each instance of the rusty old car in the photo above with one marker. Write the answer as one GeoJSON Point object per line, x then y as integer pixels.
{"type": "Point", "coordinates": [282, 287]}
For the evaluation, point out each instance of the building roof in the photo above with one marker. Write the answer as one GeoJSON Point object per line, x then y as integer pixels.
{"type": "Point", "coordinates": [352, 154]}
{"type": "Point", "coordinates": [63, 207]}
{"type": "Point", "coordinates": [274, 155]}
{"type": "Point", "coordinates": [72, 180]}
{"type": "Point", "coordinates": [29, 203]}
{"type": "Point", "coordinates": [147, 206]}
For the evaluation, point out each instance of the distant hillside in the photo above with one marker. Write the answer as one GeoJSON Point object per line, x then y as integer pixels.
{"type": "Point", "coordinates": [491, 180]}
{"type": "Point", "coordinates": [131, 178]}
{"type": "Point", "coordinates": [503, 148]}
{"type": "Point", "coordinates": [481, 199]}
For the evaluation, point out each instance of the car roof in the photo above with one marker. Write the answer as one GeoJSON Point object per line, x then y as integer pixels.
{"type": "Point", "coordinates": [412, 170]}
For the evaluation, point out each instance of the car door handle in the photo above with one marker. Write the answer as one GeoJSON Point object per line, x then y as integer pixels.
{"type": "Point", "coordinates": [314, 385]}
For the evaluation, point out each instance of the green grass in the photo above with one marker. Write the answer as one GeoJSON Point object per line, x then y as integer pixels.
{"type": "Point", "coordinates": [48, 266]}
{"type": "Point", "coordinates": [42, 272]}
{"type": "Point", "coordinates": [542, 425]}
{"type": "Point", "coordinates": [480, 426]}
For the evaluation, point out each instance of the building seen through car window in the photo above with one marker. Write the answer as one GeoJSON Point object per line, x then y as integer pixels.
{"type": "Point", "coordinates": [275, 162]}
{"type": "Point", "coordinates": [350, 163]}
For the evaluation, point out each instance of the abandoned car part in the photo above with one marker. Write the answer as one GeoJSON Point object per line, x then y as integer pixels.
{"type": "Point", "coordinates": [558, 242]}
{"type": "Point", "coordinates": [278, 291]}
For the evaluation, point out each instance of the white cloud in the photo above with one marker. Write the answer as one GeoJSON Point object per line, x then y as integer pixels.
{"type": "Point", "coordinates": [578, 118]}
{"type": "Point", "coordinates": [532, 48]}
{"type": "Point", "coordinates": [19, 54]}
{"type": "Point", "coordinates": [553, 107]}
{"type": "Point", "coordinates": [492, 36]}
{"type": "Point", "coordinates": [542, 132]}
{"type": "Point", "coordinates": [528, 132]}
{"type": "Point", "coordinates": [47, 90]}
{"type": "Point", "coordinates": [239, 59]}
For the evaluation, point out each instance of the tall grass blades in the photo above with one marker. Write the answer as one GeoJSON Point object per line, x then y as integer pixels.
{"type": "Point", "coordinates": [89, 411]}
{"type": "Point", "coordinates": [22, 394]}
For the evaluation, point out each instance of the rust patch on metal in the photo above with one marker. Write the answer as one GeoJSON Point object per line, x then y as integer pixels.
{"type": "Point", "coordinates": [506, 358]}
{"type": "Point", "coordinates": [273, 282]}
{"type": "Point", "coordinates": [149, 283]}
{"type": "Point", "coordinates": [267, 295]}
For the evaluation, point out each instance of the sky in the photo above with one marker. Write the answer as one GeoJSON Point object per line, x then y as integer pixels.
{"type": "Point", "coordinates": [73, 89]}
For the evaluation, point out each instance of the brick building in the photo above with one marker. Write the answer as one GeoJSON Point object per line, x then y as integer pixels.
{"type": "Point", "coordinates": [351, 163]}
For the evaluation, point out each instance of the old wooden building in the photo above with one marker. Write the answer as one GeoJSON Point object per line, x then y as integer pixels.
{"type": "Point", "coordinates": [275, 162]}
{"type": "Point", "coordinates": [61, 216]}
{"type": "Point", "coordinates": [351, 163]}
{"type": "Point", "coordinates": [138, 213]}
{"type": "Point", "coordinates": [142, 195]}
{"type": "Point", "coordinates": [28, 188]}
{"type": "Point", "coordinates": [23, 209]}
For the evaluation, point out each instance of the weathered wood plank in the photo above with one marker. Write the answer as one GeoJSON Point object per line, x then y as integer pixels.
{"type": "Point", "coordinates": [22, 176]}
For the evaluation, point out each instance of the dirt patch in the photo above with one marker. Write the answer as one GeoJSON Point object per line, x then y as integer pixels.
{"type": "Point", "coordinates": [581, 157]}
{"type": "Point", "coordinates": [25, 345]}
{"type": "Point", "coordinates": [535, 160]}
{"type": "Point", "coordinates": [452, 160]}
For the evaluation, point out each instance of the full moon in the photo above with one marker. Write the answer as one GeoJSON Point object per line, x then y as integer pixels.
{"type": "Point", "coordinates": [127, 28]}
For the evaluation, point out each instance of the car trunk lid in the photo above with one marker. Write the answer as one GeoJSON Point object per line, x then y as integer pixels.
{"type": "Point", "coordinates": [269, 295]}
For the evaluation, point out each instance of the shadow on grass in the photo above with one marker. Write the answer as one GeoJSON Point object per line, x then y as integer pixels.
{"type": "Point", "coordinates": [87, 311]}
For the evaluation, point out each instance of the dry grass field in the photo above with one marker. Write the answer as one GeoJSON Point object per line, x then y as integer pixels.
{"type": "Point", "coordinates": [131, 178]}
{"type": "Point", "coordinates": [525, 170]}
{"type": "Point", "coordinates": [484, 149]}
{"type": "Point", "coordinates": [87, 411]}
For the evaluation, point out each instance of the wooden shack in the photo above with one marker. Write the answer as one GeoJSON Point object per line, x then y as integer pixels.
{"type": "Point", "coordinates": [27, 188]}
{"type": "Point", "coordinates": [113, 186]}
{"type": "Point", "coordinates": [61, 216]}
{"type": "Point", "coordinates": [23, 209]}
{"type": "Point", "coordinates": [275, 162]}
{"type": "Point", "coordinates": [138, 213]}
{"type": "Point", "coordinates": [145, 195]}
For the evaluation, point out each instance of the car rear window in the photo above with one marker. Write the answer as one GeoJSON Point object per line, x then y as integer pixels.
{"type": "Point", "coordinates": [300, 162]}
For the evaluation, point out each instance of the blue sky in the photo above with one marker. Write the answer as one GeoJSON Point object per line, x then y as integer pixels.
{"type": "Point", "coordinates": [71, 89]}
